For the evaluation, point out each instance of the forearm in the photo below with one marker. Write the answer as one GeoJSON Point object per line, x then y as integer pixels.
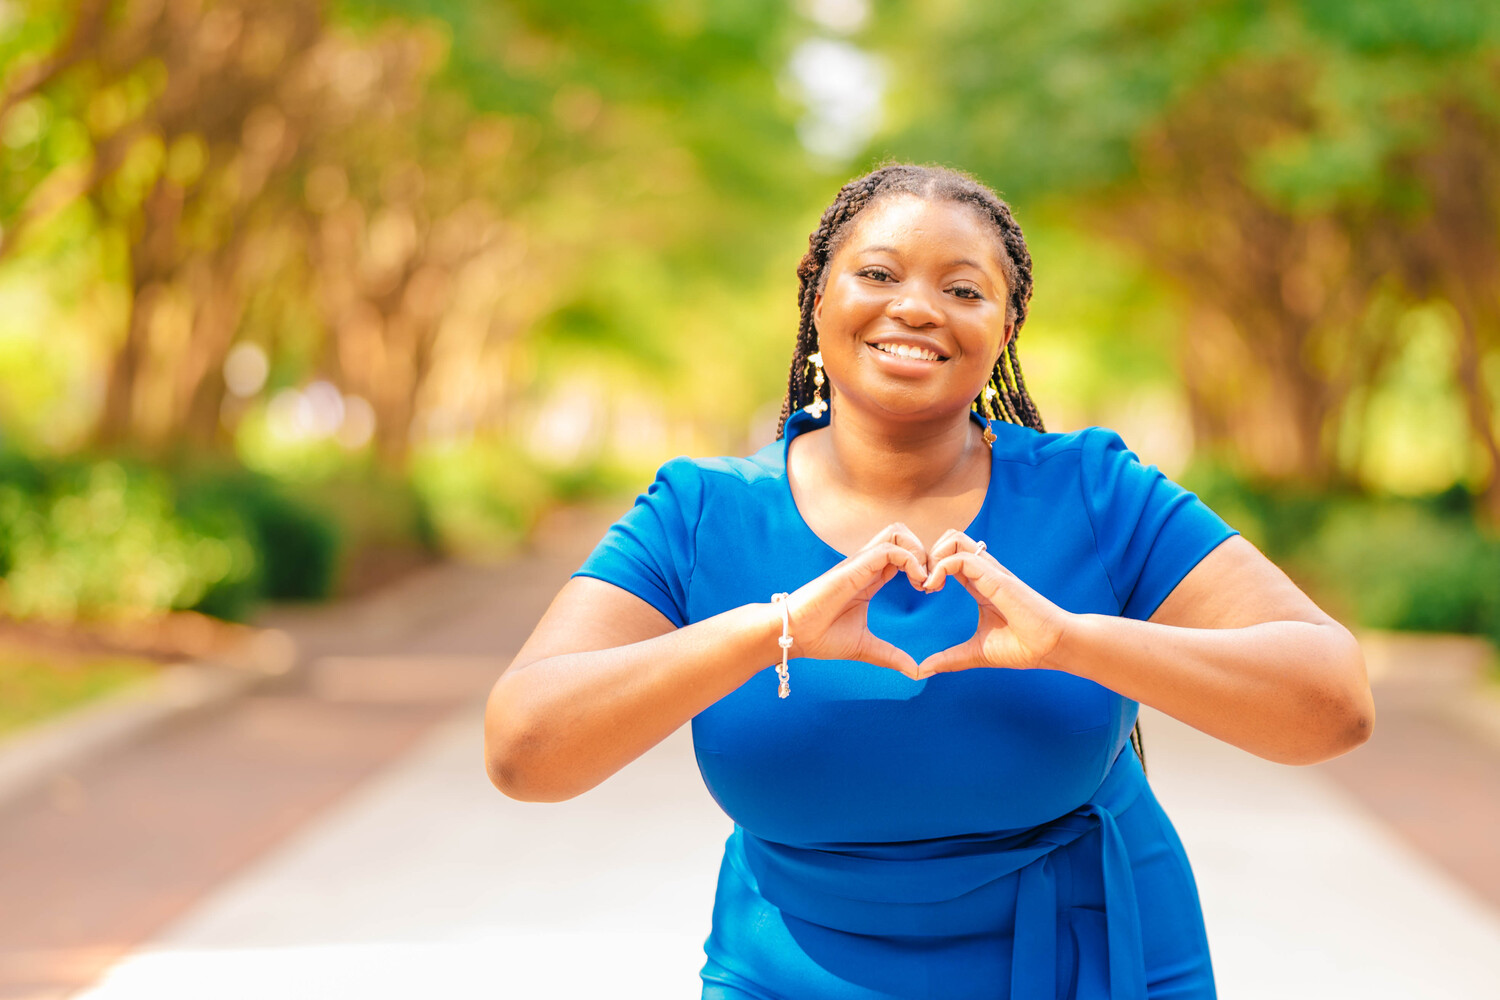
{"type": "Point", "coordinates": [1289, 691]}
{"type": "Point", "coordinates": [558, 726]}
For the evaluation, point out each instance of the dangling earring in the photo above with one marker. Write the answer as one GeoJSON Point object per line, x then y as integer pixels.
{"type": "Point", "coordinates": [987, 399]}
{"type": "Point", "coordinates": [817, 406]}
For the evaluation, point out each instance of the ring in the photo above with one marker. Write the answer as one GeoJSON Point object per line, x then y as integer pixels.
{"type": "Point", "coordinates": [978, 548]}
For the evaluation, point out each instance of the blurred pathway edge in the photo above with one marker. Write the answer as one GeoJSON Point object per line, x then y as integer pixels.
{"type": "Point", "coordinates": [103, 855]}
{"type": "Point", "coordinates": [289, 640]}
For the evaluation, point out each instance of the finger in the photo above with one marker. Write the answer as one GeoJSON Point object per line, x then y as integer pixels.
{"type": "Point", "coordinates": [973, 567]}
{"type": "Point", "coordinates": [964, 656]}
{"type": "Point", "coordinates": [870, 563]}
{"type": "Point", "coordinates": [914, 563]}
{"type": "Point", "coordinates": [952, 541]}
{"type": "Point", "coordinates": [898, 533]}
{"type": "Point", "coordinates": [990, 600]}
{"type": "Point", "coordinates": [885, 577]}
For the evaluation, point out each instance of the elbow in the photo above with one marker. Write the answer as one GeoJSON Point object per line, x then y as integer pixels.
{"type": "Point", "coordinates": [1349, 729]}
{"type": "Point", "coordinates": [510, 769]}
{"type": "Point", "coordinates": [515, 755]}
{"type": "Point", "coordinates": [1343, 713]}
{"type": "Point", "coordinates": [1336, 734]}
{"type": "Point", "coordinates": [501, 768]}
{"type": "Point", "coordinates": [511, 780]}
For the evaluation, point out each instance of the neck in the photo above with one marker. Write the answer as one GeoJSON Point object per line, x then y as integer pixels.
{"type": "Point", "coordinates": [901, 462]}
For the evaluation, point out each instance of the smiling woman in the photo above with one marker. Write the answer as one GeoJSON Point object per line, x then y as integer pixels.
{"type": "Point", "coordinates": [943, 800]}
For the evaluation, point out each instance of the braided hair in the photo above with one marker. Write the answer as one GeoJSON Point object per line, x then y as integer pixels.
{"type": "Point", "coordinates": [1014, 403]}
{"type": "Point", "coordinates": [1006, 385]}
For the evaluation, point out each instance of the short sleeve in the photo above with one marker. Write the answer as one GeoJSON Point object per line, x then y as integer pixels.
{"type": "Point", "coordinates": [650, 551]}
{"type": "Point", "coordinates": [1149, 532]}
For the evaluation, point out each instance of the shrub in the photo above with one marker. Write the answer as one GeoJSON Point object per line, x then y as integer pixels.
{"type": "Point", "coordinates": [297, 544]}
{"type": "Point", "coordinates": [1421, 564]}
{"type": "Point", "coordinates": [103, 539]}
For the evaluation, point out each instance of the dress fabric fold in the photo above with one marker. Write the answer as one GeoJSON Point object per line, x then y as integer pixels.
{"type": "Point", "coordinates": [949, 888]}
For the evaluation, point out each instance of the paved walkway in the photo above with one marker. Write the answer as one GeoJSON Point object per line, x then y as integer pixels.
{"type": "Point", "coordinates": [399, 872]}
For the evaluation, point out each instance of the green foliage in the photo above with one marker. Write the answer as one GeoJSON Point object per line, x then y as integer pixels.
{"type": "Point", "coordinates": [83, 540]}
{"type": "Point", "coordinates": [1410, 565]}
{"type": "Point", "coordinates": [1421, 564]}
{"type": "Point", "coordinates": [483, 498]}
{"type": "Point", "coordinates": [104, 540]}
{"type": "Point", "coordinates": [298, 545]}
{"type": "Point", "coordinates": [1066, 103]}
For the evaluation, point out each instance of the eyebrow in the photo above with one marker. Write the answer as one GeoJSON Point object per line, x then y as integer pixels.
{"type": "Point", "coordinates": [960, 262]}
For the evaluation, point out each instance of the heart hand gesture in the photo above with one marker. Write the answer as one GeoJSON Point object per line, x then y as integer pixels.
{"type": "Point", "coordinates": [1018, 627]}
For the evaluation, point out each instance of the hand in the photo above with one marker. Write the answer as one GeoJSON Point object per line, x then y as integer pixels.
{"type": "Point", "coordinates": [830, 613]}
{"type": "Point", "coordinates": [1017, 628]}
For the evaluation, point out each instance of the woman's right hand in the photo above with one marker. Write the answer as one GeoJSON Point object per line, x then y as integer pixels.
{"type": "Point", "coordinates": [829, 614]}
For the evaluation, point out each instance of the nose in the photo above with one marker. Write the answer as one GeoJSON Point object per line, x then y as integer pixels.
{"type": "Point", "coordinates": [915, 306]}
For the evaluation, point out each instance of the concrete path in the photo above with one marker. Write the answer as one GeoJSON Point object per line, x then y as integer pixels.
{"type": "Point", "coordinates": [426, 883]}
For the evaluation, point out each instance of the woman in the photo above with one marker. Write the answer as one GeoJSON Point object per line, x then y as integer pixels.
{"type": "Point", "coordinates": [942, 801]}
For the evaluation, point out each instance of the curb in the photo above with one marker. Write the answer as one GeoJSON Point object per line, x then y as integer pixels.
{"type": "Point", "coordinates": [46, 753]}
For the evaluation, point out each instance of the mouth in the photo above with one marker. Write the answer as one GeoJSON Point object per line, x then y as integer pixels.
{"type": "Point", "coordinates": [909, 352]}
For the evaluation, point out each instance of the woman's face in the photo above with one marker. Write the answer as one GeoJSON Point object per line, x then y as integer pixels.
{"type": "Point", "coordinates": [912, 316]}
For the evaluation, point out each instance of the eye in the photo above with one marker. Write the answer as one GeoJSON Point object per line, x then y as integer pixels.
{"type": "Point", "coordinates": [875, 273]}
{"type": "Point", "coordinates": [967, 292]}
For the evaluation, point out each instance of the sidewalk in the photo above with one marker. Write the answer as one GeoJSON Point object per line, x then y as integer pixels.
{"type": "Point", "coordinates": [338, 838]}
{"type": "Point", "coordinates": [426, 885]}
{"type": "Point", "coordinates": [102, 857]}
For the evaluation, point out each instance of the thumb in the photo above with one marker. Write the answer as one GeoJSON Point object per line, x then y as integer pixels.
{"type": "Point", "coordinates": [883, 654]}
{"type": "Point", "coordinates": [961, 657]}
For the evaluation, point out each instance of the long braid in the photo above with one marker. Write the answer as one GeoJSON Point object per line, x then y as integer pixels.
{"type": "Point", "coordinates": [851, 200]}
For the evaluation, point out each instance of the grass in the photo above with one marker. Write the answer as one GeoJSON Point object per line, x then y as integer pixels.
{"type": "Point", "coordinates": [36, 686]}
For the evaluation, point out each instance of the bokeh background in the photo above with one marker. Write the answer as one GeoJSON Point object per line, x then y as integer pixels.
{"type": "Point", "coordinates": [288, 287]}
{"type": "Point", "coordinates": [297, 297]}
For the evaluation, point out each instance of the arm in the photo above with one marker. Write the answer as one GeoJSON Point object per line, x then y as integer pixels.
{"type": "Point", "coordinates": [1236, 650]}
{"type": "Point", "coordinates": [605, 676]}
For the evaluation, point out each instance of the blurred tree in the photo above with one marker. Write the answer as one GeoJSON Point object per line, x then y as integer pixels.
{"type": "Point", "coordinates": [1289, 166]}
{"type": "Point", "coordinates": [389, 194]}
{"type": "Point", "coordinates": [179, 138]}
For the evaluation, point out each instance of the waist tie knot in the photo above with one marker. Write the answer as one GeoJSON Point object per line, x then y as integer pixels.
{"type": "Point", "coordinates": [959, 885]}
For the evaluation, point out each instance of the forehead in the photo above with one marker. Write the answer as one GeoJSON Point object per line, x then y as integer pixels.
{"type": "Point", "coordinates": [911, 225]}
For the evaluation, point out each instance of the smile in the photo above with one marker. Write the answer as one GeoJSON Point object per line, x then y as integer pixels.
{"type": "Point", "coordinates": [908, 351]}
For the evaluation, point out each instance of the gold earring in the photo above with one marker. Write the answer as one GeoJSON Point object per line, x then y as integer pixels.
{"type": "Point", "coordinates": [987, 398]}
{"type": "Point", "coordinates": [817, 407]}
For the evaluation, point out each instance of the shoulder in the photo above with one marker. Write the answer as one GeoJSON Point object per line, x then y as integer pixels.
{"type": "Point", "coordinates": [1089, 447]}
{"type": "Point", "coordinates": [726, 472]}
{"type": "Point", "coordinates": [693, 483]}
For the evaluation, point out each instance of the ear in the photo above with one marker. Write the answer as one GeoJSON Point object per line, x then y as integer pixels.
{"type": "Point", "coordinates": [817, 309]}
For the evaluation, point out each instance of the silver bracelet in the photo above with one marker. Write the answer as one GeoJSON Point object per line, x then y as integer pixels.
{"type": "Point", "coordinates": [783, 688]}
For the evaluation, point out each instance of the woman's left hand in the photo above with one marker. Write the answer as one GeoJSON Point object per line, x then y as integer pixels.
{"type": "Point", "coordinates": [1018, 627]}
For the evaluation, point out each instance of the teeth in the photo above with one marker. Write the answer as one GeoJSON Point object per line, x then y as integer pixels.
{"type": "Point", "coordinates": [907, 351]}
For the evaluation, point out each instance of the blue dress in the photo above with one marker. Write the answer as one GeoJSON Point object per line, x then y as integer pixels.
{"type": "Point", "coordinates": [985, 833]}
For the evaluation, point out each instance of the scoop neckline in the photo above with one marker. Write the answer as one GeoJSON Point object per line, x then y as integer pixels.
{"type": "Point", "coordinates": [801, 421]}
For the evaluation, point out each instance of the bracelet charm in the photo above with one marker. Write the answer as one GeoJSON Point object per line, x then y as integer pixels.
{"type": "Point", "coordinates": [784, 687]}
